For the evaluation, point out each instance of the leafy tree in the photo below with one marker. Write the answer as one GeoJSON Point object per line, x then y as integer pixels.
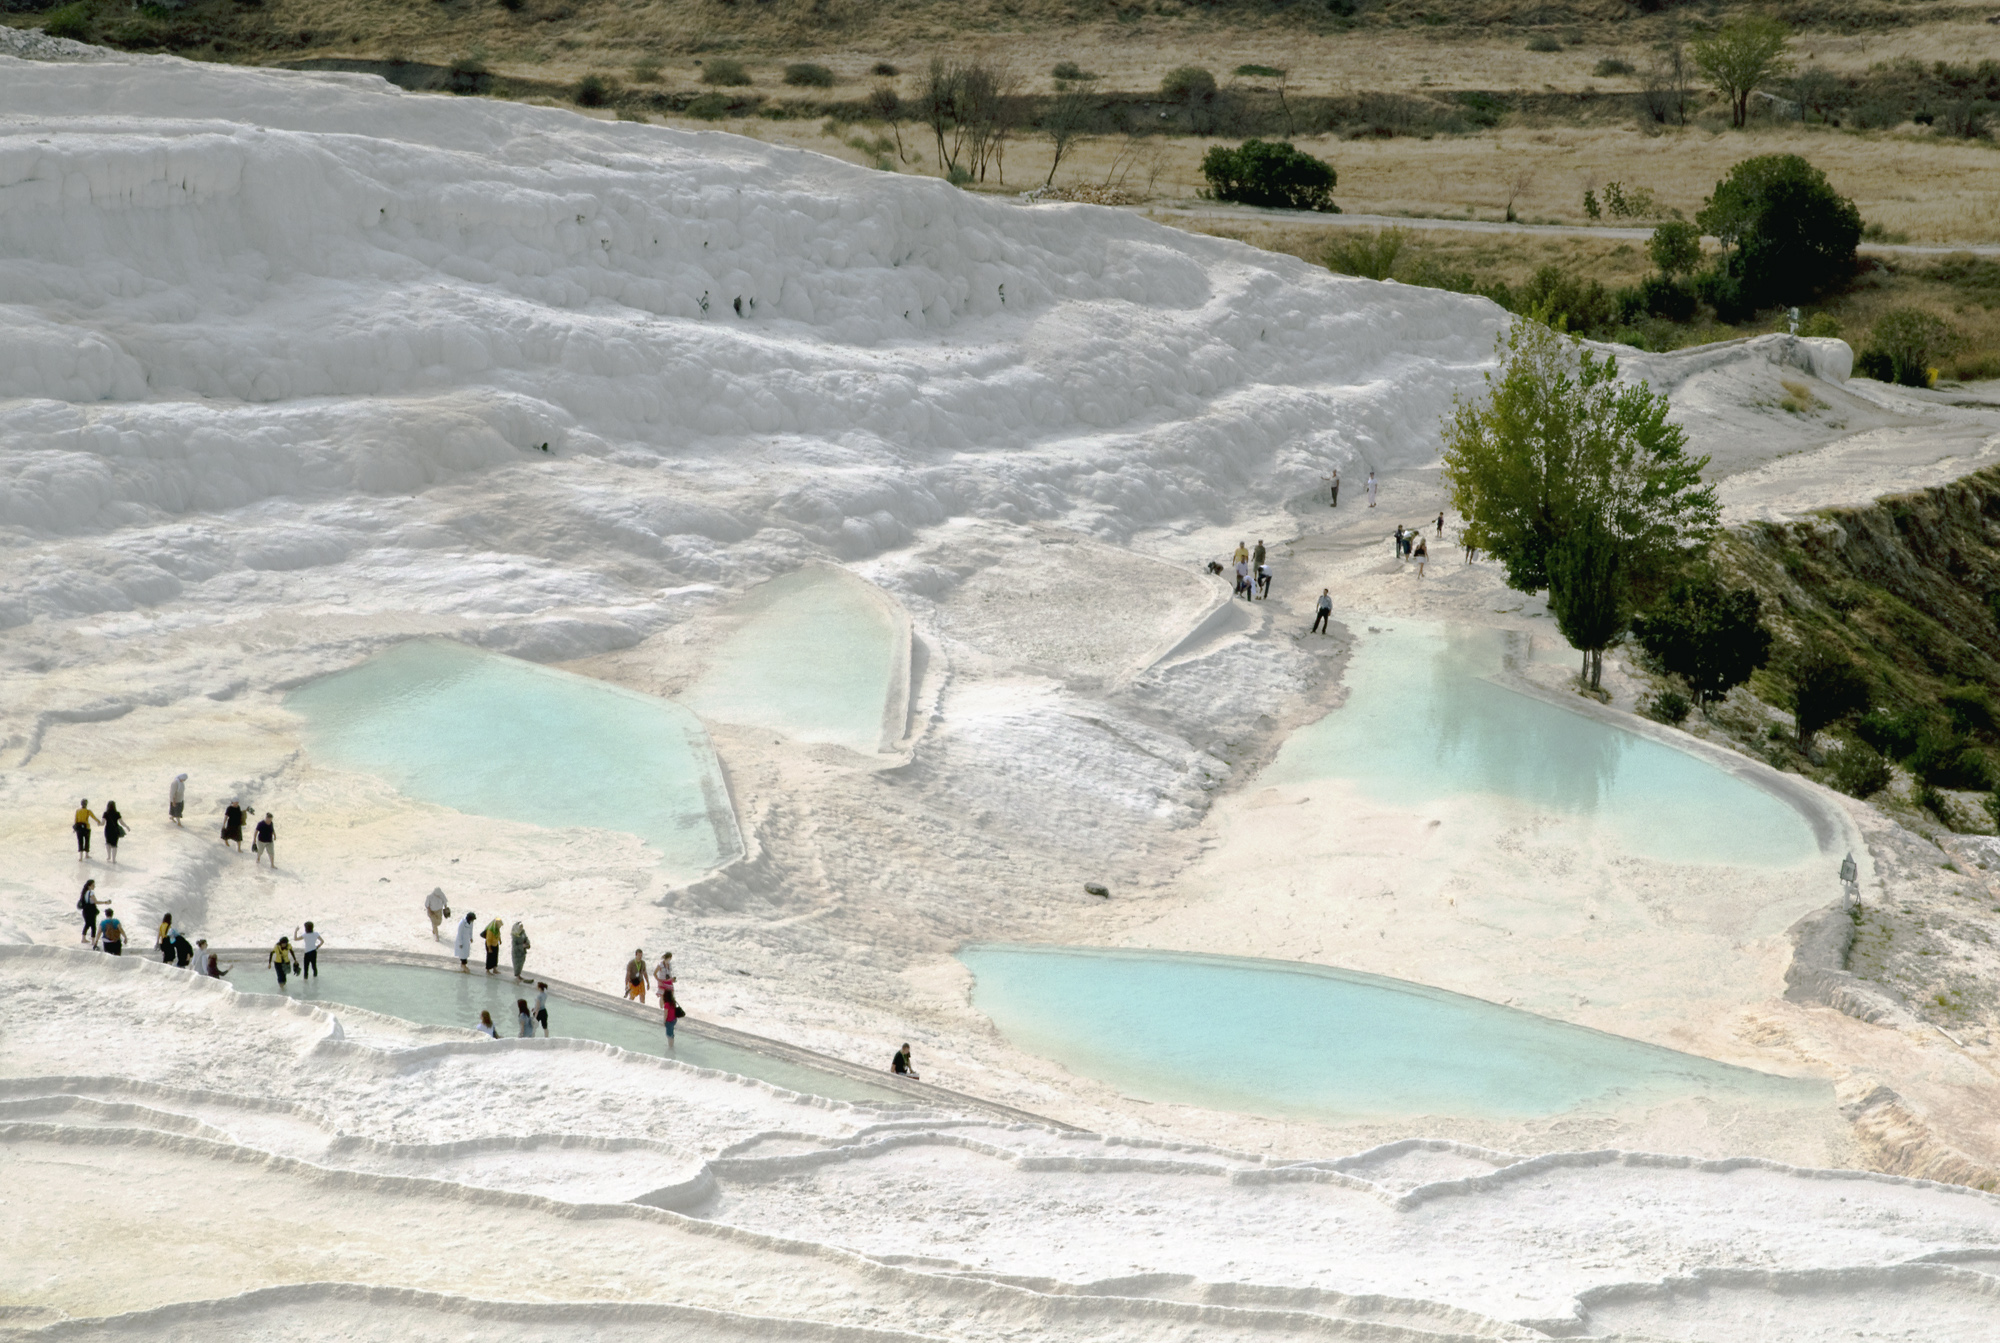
{"type": "Point", "coordinates": [1575, 481]}
{"type": "Point", "coordinates": [1265, 172]}
{"type": "Point", "coordinates": [1372, 256]}
{"type": "Point", "coordinates": [1708, 635]}
{"type": "Point", "coordinates": [1826, 687]}
{"type": "Point", "coordinates": [1905, 345]}
{"type": "Point", "coordinates": [1739, 56]}
{"type": "Point", "coordinates": [1790, 235]}
{"type": "Point", "coordinates": [1859, 769]}
{"type": "Point", "coordinates": [1675, 248]}
{"type": "Point", "coordinates": [1193, 88]}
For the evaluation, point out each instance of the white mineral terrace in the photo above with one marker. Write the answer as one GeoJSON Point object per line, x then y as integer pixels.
{"type": "Point", "coordinates": [669, 541]}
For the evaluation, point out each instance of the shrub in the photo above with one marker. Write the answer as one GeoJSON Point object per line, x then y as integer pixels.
{"type": "Point", "coordinates": [1258, 72]}
{"type": "Point", "coordinates": [805, 74]}
{"type": "Point", "coordinates": [646, 72]}
{"type": "Point", "coordinates": [1188, 84]}
{"type": "Point", "coordinates": [725, 70]}
{"type": "Point", "coordinates": [1611, 67]}
{"type": "Point", "coordinates": [1710, 636]}
{"type": "Point", "coordinates": [1893, 734]}
{"type": "Point", "coordinates": [1724, 292]}
{"type": "Point", "coordinates": [1665, 297]}
{"type": "Point", "coordinates": [1675, 248]}
{"type": "Point", "coordinates": [1790, 235]}
{"type": "Point", "coordinates": [593, 91]}
{"type": "Point", "coordinates": [1372, 256]}
{"type": "Point", "coordinates": [1820, 325]}
{"type": "Point", "coordinates": [1556, 298]}
{"type": "Point", "coordinates": [1859, 769]}
{"type": "Point", "coordinates": [883, 70]}
{"type": "Point", "coordinates": [1944, 757]}
{"type": "Point", "coordinates": [1826, 687]}
{"type": "Point", "coordinates": [71, 21]}
{"type": "Point", "coordinates": [709, 107]}
{"type": "Point", "coordinates": [1270, 173]}
{"type": "Point", "coordinates": [1668, 706]}
{"type": "Point", "coordinates": [1905, 346]}
{"type": "Point", "coordinates": [1073, 73]}
{"type": "Point", "coordinates": [1544, 42]}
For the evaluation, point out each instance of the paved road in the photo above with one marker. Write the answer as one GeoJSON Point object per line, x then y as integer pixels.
{"type": "Point", "coordinates": [1248, 213]}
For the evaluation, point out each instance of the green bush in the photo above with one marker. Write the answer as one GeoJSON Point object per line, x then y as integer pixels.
{"type": "Point", "coordinates": [71, 21]}
{"type": "Point", "coordinates": [1668, 706]}
{"type": "Point", "coordinates": [1905, 346]}
{"type": "Point", "coordinates": [1611, 67]}
{"type": "Point", "coordinates": [805, 74]}
{"type": "Point", "coordinates": [1894, 734]}
{"type": "Point", "coordinates": [1945, 758]}
{"type": "Point", "coordinates": [1270, 173]}
{"type": "Point", "coordinates": [725, 70]}
{"type": "Point", "coordinates": [1820, 324]}
{"type": "Point", "coordinates": [1859, 770]}
{"type": "Point", "coordinates": [1071, 72]}
{"type": "Point", "coordinates": [594, 91]}
{"type": "Point", "coordinates": [1789, 235]}
{"type": "Point", "coordinates": [1372, 255]}
{"type": "Point", "coordinates": [1675, 248]}
{"type": "Point", "coordinates": [709, 107]}
{"type": "Point", "coordinates": [883, 70]}
{"type": "Point", "coordinates": [646, 72]}
{"type": "Point", "coordinates": [1544, 42]}
{"type": "Point", "coordinates": [1556, 298]}
{"type": "Point", "coordinates": [1188, 84]}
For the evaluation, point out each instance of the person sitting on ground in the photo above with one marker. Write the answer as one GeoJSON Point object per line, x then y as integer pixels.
{"type": "Point", "coordinates": [900, 1065]}
{"type": "Point", "coordinates": [210, 966]}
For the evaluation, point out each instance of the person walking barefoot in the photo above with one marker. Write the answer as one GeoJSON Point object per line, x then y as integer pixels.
{"type": "Point", "coordinates": [232, 825]}
{"type": "Point", "coordinates": [111, 933]}
{"type": "Point", "coordinates": [461, 946]}
{"type": "Point", "coordinates": [1371, 487]}
{"type": "Point", "coordinates": [542, 1006]}
{"type": "Point", "coordinates": [266, 841]}
{"type": "Point", "coordinates": [635, 975]}
{"type": "Point", "coordinates": [85, 817]}
{"type": "Point", "coordinates": [1325, 609]}
{"type": "Point", "coordinates": [309, 944]}
{"type": "Point", "coordinates": [1421, 555]}
{"type": "Point", "coordinates": [492, 939]}
{"type": "Point", "coordinates": [86, 904]}
{"type": "Point", "coordinates": [177, 796]}
{"type": "Point", "coordinates": [519, 949]}
{"type": "Point", "coordinates": [439, 910]}
{"type": "Point", "coordinates": [114, 830]}
{"type": "Point", "coordinates": [527, 1019]}
{"type": "Point", "coordinates": [280, 959]}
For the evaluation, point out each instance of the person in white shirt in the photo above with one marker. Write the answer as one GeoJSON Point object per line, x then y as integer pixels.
{"type": "Point", "coordinates": [177, 797]}
{"type": "Point", "coordinates": [308, 944]}
{"type": "Point", "coordinates": [542, 1006]}
{"type": "Point", "coordinates": [438, 908]}
{"type": "Point", "coordinates": [461, 946]}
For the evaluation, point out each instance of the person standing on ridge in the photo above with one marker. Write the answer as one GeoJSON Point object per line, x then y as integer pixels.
{"type": "Point", "coordinates": [492, 937]}
{"type": "Point", "coordinates": [1335, 478]}
{"type": "Point", "coordinates": [1242, 554]}
{"type": "Point", "coordinates": [462, 943]}
{"type": "Point", "coordinates": [663, 973]}
{"type": "Point", "coordinates": [177, 796]}
{"type": "Point", "coordinates": [280, 959]}
{"type": "Point", "coordinates": [520, 948]}
{"type": "Point", "coordinates": [309, 944]}
{"type": "Point", "coordinates": [1440, 526]}
{"type": "Point", "coordinates": [1396, 541]}
{"type": "Point", "coordinates": [1371, 487]}
{"type": "Point", "coordinates": [900, 1065]}
{"type": "Point", "coordinates": [1325, 609]}
{"type": "Point", "coordinates": [635, 975]}
{"type": "Point", "coordinates": [232, 825]}
{"type": "Point", "coordinates": [114, 830]}
{"type": "Point", "coordinates": [438, 908]}
{"type": "Point", "coordinates": [111, 933]}
{"type": "Point", "coordinates": [1257, 556]}
{"type": "Point", "coordinates": [266, 841]}
{"type": "Point", "coordinates": [86, 904]}
{"type": "Point", "coordinates": [166, 932]}
{"type": "Point", "coordinates": [84, 817]}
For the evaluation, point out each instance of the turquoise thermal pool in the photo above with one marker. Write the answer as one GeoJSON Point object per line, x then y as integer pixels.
{"type": "Point", "coordinates": [1288, 1040]}
{"type": "Point", "coordinates": [819, 655]}
{"type": "Point", "coordinates": [446, 998]}
{"type": "Point", "coordinates": [496, 736]}
{"type": "Point", "coordinates": [1421, 721]}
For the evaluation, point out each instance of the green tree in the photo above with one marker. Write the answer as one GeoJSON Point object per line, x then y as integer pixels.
{"type": "Point", "coordinates": [1558, 443]}
{"type": "Point", "coordinates": [1710, 636]}
{"type": "Point", "coordinates": [1588, 595]}
{"type": "Point", "coordinates": [1675, 248]}
{"type": "Point", "coordinates": [1271, 173]}
{"type": "Point", "coordinates": [1905, 345]}
{"type": "Point", "coordinates": [1739, 56]}
{"type": "Point", "coordinates": [1826, 687]}
{"type": "Point", "coordinates": [1788, 235]}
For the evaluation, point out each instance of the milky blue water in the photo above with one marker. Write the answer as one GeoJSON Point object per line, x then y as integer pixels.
{"type": "Point", "coordinates": [1287, 1040]}
{"type": "Point", "coordinates": [496, 736]}
{"type": "Point", "coordinates": [1420, 722]}
{"type": "Point", "coordinates": [447, 998]}
{"type": "Point", "coordinates": [819, 656]}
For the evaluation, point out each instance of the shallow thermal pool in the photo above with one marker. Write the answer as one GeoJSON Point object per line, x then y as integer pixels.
{"type": "Point", "coordinates": [1288, 1040]}
{"type": "Point", "coordinates": [448, 998]}
{"type": "Point", "coordinates": [819, 655]}
{"type": "Point", "coordinates": [1421, 721]}
{"type": "Point", "coordinates": [496, 736]}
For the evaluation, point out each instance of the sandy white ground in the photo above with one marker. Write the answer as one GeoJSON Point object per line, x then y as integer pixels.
{"type": "Point", "coordinates": [280, 353]}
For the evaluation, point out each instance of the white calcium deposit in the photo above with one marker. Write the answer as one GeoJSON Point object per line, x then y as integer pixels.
{"type": "Point", "coordinates": [294, 367]}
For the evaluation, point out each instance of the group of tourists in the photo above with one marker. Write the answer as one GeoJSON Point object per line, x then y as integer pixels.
{"type": "Point", "coordinates": [526, 1018]}
{"type": "Point", "coordinates": [104, 931]}
{"type": "Point", "coordinates": [662, 981]}
{"type": "Point", "coordinates": [1410, 544]}
{"type": "Point", "coordinates": [1253, 575]}
{"type": "Point", "coordinates": [264, 840]}
{"type": "Point", "coordinates": [469, 932]}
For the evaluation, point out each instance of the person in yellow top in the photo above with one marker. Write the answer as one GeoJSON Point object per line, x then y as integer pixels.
{"type": "Point", "coordinates": [1242, 555]}
{"type": "Point", "coordinates": [85, 818]}
{"type": "Point", "coordinates": [281, 960]}
{"type": "Point", "coordinates": [492, 936]}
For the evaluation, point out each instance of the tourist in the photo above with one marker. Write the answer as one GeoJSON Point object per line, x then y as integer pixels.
{"type": "Point", "coordinates": [86, 903]}
{"type": "Point", "coordinates": [670, 1012]}
{"type": "Point", "coordinates": [1371, 487]}
{"type": "Point", "coordinates": [485, 1026]}
{"type": "Point", "coordinates": [1325, 611]}
{"type": "Point", "coordinates": [84, 818]}
{"type": "Point", "coordinates": [1243, 588]}
{"type": "Point", "coordinates": [309, 944]}
{"type": "Point", "coordinates": [182, 952]}
{"type": "Point", "coordinates": [663, 973]}
{"type": "Point", "coordinates": [177, 796]}
{"type": "Point", "coordinates": [492, 937]}
{"type": "Point", "coordinates": [232, 825]}
{"type": "Point", "coordinates": [1335, 478]}
{"type": "Point", "coordinates": [542, 1005]}
{"type": "Point", "coordinates": [111, 933]}
{"type": "Point", "coordinates": [114, 830]}
{"type": "Point", "coordinates": [160, 941]}
{"type": "Point", "coordinates": [203, 958]}
{"type": "Point", "coordinates": [1264, 582]}
{"type": "Point", "coordinates": [1257, 555]}
{"type": "Point", "coordinates": [438, 908]}
{"type": "Point", "coordinates": [1242, 555]}
{"type": "Point", "coordinates": [1396, 540]}
{"type": "Point", "coordinates": [520, 948]}
{"type": "Point", "coordinates": [1440, 526]}
{"type": "Point", "coordinates": [281, 960]}
{"type": "Point", "coordinates": [527, 1019]}
{"type": "Point", "coordinates": [900, 1065]}
{"type": "Point", "coordinates": [266, 841]}
{"type": "Point", "coordinates": [1423, 553]}
{"type": "Point", "coordinates": [462, 943]}
{"type": "Point", "coordinates": [635, 975]}
{"type": "Point", "coordinates": [210, 966]}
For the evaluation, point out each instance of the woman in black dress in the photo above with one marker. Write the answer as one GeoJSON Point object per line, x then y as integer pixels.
{"type": "Point", "coordinates": [114, 829]}
{"type": "Point", "coordinates": [232, 826]}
